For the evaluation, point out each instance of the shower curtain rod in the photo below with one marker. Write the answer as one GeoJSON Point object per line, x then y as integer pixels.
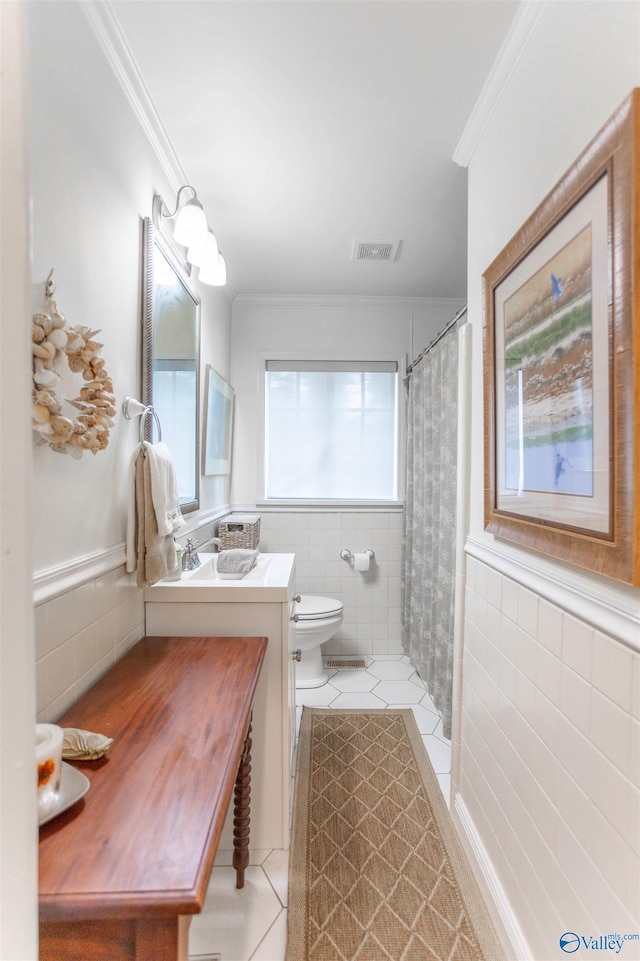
{"type": "Point", "coordinates": [436, 339]}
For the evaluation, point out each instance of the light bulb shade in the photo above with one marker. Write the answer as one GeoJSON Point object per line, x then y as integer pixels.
{"type": "Point", "coordinates": [215, 276]}
{"type": "Point", "coordinates": [191, 225]}
{"type": "Point", "coordinates": [206, 254]}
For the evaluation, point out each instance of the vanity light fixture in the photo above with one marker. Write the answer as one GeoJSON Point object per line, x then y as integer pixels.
{"type": "Point", "coordinates": [206, 254]}
{"type": "Point", "coordinates": [191, 225]}
{"type": "Point", "coordinates": [192, 231]}
{"type": "Point", "coordinates": [215, 275]}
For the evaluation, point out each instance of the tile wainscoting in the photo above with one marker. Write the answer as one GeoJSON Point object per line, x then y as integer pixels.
{"type": "Point", "coordinates": [85, 623]}
{"type": "Point", "coordinates": [550, 775]}
{"type": "Point", "coordinates": [80, 633]}
{"type": "Point", "coordinates": [371, 600]}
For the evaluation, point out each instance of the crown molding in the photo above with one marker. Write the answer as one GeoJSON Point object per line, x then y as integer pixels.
{"type": "Point", "coordinates": [496, 83]}
{"type": "Point", "coordinates": [346, 300]}
{"type": "Point", "coordinates": [107, 31]}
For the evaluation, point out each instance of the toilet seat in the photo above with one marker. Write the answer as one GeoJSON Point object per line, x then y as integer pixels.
{"type": "Point", "coordinates": [312, 607]}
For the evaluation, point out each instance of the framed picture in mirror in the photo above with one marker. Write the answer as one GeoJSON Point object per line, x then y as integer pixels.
{"type": "Point", "coordinates": [218, 424]}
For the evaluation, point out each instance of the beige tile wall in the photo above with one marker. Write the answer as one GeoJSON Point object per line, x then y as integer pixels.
{"type": "Point", "coordinates": [80, 634]}
{"type": "Point", "coordinates": [550, 762]}
{"type": "Point", "coordinates": [371, 600]}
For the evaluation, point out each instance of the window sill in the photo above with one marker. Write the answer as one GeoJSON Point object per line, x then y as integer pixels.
{"type": "Point", "coordinates": [329, 505]}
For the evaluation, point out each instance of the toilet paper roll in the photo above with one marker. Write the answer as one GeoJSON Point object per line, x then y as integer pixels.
{"type": "Point", "coordinates": [361, 561]}
{"type": "Point", "coordinates": [49, 739]}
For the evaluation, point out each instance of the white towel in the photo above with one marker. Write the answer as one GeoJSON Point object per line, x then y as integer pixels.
{"type": "Point", "coordinates": [164, 488]}
{"type": "Point", "coordinates": [132, 523]}
{"type": "Point", "coordinates": [150, 554]}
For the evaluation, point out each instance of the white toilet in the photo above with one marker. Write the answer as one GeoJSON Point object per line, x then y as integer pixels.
{"type": "Point", "coordinates": [318, 619]}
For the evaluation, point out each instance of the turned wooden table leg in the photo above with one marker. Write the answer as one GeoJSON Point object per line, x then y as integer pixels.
{"type": "Point", "coordinates": [242, 812]}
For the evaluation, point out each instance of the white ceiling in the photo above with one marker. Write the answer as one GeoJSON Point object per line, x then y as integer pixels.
{"type": "Point", "coordinates": [306, 125]}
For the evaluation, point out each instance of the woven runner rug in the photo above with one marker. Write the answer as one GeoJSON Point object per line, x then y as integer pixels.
{"type": "Point", "coordinates": [376, 869]}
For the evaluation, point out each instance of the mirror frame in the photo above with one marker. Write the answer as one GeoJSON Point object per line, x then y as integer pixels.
{"type": "Point", "coordinates": [153, 241]}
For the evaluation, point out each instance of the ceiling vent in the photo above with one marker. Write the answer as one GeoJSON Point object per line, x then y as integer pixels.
{"type": "Point", "coordinates": [386, 251]}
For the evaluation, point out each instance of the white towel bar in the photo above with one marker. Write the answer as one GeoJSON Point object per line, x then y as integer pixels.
{"type": "Point", "coordinates": [134, 408]}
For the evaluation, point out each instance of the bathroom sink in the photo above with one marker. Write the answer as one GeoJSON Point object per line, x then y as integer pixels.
{"type": "Point", "coordinates": [208, 570]}
{"type": "Point", "coordinates": [271, 579]}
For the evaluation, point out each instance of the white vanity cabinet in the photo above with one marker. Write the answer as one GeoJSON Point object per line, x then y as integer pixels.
{"type": "Point", "coordinates": [259, 607]}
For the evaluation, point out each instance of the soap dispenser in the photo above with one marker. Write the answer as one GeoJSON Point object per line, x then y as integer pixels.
{"type": "Point", "coordinates": [176, 574]}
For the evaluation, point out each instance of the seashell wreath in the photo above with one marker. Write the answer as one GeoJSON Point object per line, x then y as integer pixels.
{"type": "Point", "coordinates": [52, 339]}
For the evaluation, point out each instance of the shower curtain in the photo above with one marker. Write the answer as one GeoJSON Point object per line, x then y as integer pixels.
{"type": "Point", "coordinates": [429, 542]}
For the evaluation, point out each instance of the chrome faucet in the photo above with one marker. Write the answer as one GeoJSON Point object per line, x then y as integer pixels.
{"type": "Point", "coordinates": [190, 559]}
{"type": "Point", "coordinates": [214, 540]}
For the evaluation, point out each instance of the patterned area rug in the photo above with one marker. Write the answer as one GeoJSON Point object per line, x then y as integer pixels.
{"type": "Point", "coordinates": [376, 870]}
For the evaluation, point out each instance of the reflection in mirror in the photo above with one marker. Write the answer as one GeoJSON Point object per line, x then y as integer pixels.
{"type": "Point", "coordinates": [171, 360]}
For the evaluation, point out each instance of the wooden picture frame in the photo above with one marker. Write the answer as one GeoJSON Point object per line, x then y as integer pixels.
{"type": "Point", "coordinates": [561, 345]}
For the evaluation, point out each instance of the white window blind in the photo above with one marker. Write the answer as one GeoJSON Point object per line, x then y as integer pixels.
{"type": "Point", "coordinates": [331, 430]}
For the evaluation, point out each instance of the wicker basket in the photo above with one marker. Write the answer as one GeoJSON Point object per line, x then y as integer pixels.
{"type": "Point", "coordinates": [239, 530]}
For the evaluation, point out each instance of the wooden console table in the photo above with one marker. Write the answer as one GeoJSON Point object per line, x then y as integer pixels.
{"type": "Point", "coordinates": [122, 871]}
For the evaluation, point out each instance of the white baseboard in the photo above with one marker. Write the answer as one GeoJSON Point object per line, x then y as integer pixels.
{"type": "Point", "coordinates": [507, 925]}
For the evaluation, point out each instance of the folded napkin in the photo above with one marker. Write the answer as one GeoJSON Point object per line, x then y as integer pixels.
{"type": "Point", "coordinates": [237, 561]}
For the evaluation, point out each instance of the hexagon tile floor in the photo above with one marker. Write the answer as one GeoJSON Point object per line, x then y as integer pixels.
{"type": "Point", "coordinates": [251, 925]}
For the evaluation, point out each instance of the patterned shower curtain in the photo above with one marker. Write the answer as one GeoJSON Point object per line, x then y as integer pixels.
{"type": "Point", "coordinates": [428, 582]}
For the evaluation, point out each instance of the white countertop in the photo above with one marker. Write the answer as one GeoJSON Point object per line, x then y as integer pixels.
{"type": "Point", "coordinates": [270, 580]}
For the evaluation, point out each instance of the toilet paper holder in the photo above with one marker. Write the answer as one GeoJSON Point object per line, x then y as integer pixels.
{"type": "Point", "coordinates": [346, 554]}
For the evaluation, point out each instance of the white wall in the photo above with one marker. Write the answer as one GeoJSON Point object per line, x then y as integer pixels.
{"type": "Point", "coordinates": [314, 326]}
{"type": "Point", "coordinates": [94, 172]}
{"type": "Point", "coordinates": [550, 740]}
{"type": "Point", "coordinates": [353, 325]}
{"type": "Point", "coordinates": [74, 158]}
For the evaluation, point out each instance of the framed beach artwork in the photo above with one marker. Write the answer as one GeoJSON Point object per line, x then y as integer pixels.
{"type": "Point", "coordinates": [218, 424]}
{"type": "Point", "coordinates": [561, 355]}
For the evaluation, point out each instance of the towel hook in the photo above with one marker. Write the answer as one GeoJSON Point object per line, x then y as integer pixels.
{"type": "Point", "coordinates": [134, 408]}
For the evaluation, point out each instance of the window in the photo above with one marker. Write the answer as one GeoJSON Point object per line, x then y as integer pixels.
{"type": "Point", "coordinates": [331, 430]}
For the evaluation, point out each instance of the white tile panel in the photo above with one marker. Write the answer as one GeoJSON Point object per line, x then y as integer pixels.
{"type": "Point", "coordinates": [550, 760]}
{"type": "Point", "coordinates": [528, 611]}
{"type": "Point", "coordinates": [577, 645]}
{"type": "Point", "coordinates": [548, 674]}
{"type": "Point", "coordinates": [80, 634]}
{"type": "Point", "coordinates": [389, 670]}
{"type": "Point", "coordinates": [611, 731]}
{"type": "Point", "coordinates": [550, 627]}
{"type": "Point", "coordinates": [613, 670]}
{"type": "Point", "coordinates": [398, 692]}
{"type": "Point", "coordinates": [363, 700]}
{"type": "Point", "coordinates": [575, 698]}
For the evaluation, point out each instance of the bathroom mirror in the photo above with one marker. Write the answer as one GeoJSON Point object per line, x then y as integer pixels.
{"type": "Point", "coordinates": [171, 360]}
